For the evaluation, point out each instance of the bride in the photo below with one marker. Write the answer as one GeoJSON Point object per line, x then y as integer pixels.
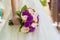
{"type": "Point", "coordinates": [45, 31]}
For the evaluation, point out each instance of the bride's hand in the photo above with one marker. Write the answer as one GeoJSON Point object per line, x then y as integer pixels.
{"type": "Point", "coordinates": [15, 20]}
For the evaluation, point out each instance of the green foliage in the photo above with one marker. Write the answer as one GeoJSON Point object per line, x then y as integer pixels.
{"type": "Point", "coordinates": [10, 23]}
{"type": "Point", "coordinates": [18, 13]}
{"type": "Point", "coordinates": [24, 8]}
{"type": "Point", "coordinates": [43, 2]}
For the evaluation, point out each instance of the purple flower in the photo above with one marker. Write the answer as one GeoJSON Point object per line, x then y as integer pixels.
{"type": "Point", "coordinates": [25, 12]}
{"type": "Point", "coordinates": [37, 18]}
{"type": "Point", "coordinates": [27, 24]}
{"type": "Point", "coordinates": [30, 19]}
{"type": "Point", "coordinates": [32, 29]}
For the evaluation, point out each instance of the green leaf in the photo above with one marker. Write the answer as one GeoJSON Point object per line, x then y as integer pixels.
{"type": "Point", "coordinates": [24, 8]}
{"type": "Point", "coordinates": [20, 28]}
{"type": "Point", "coordinates": [10, 23]}
{"type": "Point", "coordinates": [21, 25]}
{"type": "Point", "coordinates": [43, 2]}
{"type": "Point", "coordinates": [18, 13]}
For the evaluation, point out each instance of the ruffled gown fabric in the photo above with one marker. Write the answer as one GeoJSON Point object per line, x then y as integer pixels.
{"type": "Point", "coordinates": [45, 30]}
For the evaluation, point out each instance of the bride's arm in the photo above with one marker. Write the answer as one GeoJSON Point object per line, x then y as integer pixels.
{"type": "Point", "coordinates": [15, 18]}
{"type": "Point", "coordinates": [14, 4]}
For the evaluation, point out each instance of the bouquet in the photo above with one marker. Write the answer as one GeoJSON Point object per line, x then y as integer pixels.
{"type": "Point", "coordinates": [28, 21]}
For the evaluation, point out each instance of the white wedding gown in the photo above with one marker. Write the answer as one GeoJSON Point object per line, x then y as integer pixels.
{"type": "Point", "coordinates": [45, 31]}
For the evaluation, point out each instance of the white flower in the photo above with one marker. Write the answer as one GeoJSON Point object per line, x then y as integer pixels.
{"type": "Point", "coordinates": [24, 18]}
{"type": "Point", "coordinates": [31, 11]}
{"type": "Point", "coordinates": [34, 25]}
{"type": "Point", "coordinates": [35, 19]}
{"type": "Point", "coordinates": [25, 29]}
